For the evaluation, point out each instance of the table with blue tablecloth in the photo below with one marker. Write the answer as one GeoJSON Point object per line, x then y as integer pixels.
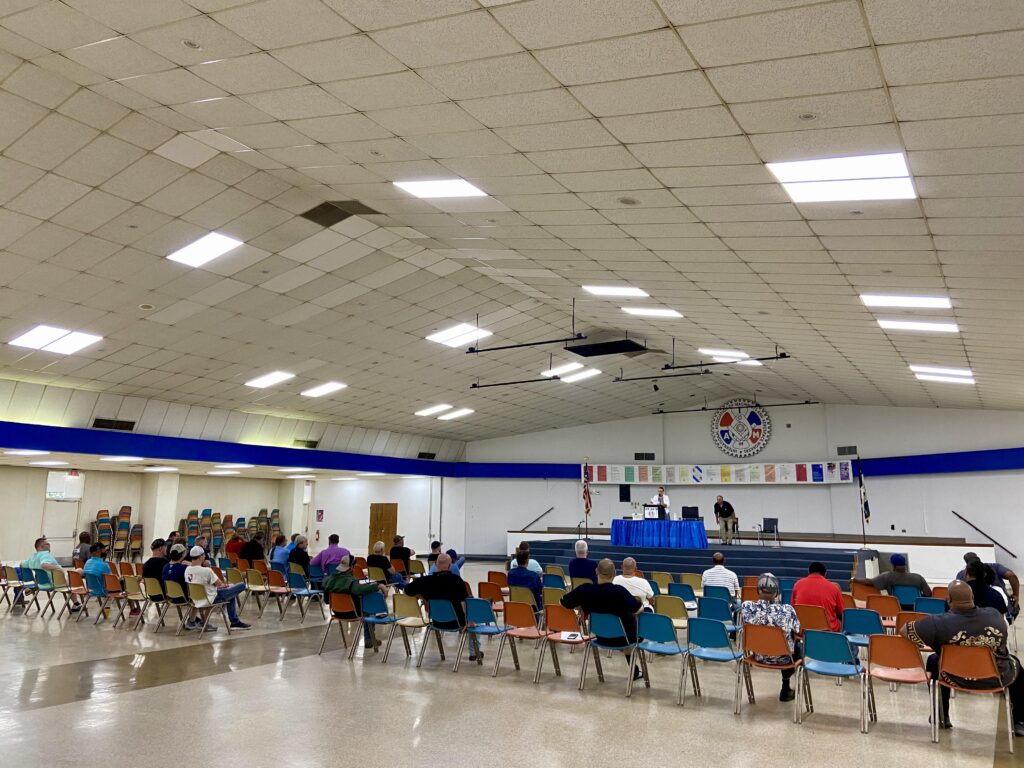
{"type": "Point", "coordinates": [677, 534]}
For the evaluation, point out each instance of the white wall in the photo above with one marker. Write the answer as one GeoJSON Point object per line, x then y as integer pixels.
{"type": "Point", "coordinates": [21, 514]}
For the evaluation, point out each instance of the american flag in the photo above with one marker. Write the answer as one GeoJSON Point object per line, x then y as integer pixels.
{"type": "Point", "coordinates": [864, 508]}
{"type": "Point", "coordinates": [587, 502]}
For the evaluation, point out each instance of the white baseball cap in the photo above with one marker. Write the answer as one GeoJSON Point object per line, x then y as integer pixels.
{"type": "Point", "coordinates": [197, 552]}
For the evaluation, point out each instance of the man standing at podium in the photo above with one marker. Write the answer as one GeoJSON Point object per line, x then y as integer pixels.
{"type": "Point", "coordinates": [661, 499]}
{"type": "Point", "coordinates": [723, 516]}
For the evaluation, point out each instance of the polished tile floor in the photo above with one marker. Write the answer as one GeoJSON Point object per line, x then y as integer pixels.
{"type": "Point", "coordinates": [84, 695]}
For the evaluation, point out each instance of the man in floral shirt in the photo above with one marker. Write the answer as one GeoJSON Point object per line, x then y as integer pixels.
{"type": "Point", "coordinates": [768, 611]}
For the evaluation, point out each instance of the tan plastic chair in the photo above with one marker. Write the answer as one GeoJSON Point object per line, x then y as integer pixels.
{"type": "Point", "coordinates": [417, 568]}
{"type": "Point", "coordinates": [552, 595]}
{"type": "Point", "coordinates": [674, 608]}
{"type": "Point", "coordinates": [662, 579]}
{"type": "Point", "coordinates": [693, 579]}
{"type": "Point", "coordinates": [197, 594]}
{"type": "Point", "coordinates": [256, 586]}
{"type": "Point", "coordinates": [523, 595]}
{"type": "Point", "coordinates": [410, 616]}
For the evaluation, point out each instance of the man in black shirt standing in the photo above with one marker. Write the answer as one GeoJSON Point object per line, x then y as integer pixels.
{"type": "Point", "coordinates": [445, 585]}
{"type": "Point", "coordinates": [606, 597]}
{"type": "Point", "coordinates": [724, 514]}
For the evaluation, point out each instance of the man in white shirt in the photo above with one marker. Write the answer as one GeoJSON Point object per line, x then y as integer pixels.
{"type": "Point", "coordinates": [720, 576]}
{"type": "Point", "coordinates": [216, 591]}
{"type": "Point", "coordinates": [637, 586]}
{"type": "Point", "coordinates": [662, 500]}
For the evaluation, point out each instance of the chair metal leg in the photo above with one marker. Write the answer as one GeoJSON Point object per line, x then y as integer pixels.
{"type": "Point", "coordinates": [463, 638]}
{"type": "Point", "coordinates": [863, 703]}
{"type": "Point", "coordinates": [800, 693]}
{"type": "Point", "coordinates": [629, 677]}
{"type": "Point", "coordinates": [405, 640]}
{"type": "Point", "coordinates": [183, 618]}
{"type": "Point", "coordinates": [103, 606]}
{"type": "Point", "coordinates": [387, 646]}
{"type": "Point", "coordinates": [326, 633]}
{"type": "Point", "coordinates": [736, 692]}
{"type": "Point", "coordinates": [682, 679]}
{"type": "Point", "coordinates": [440, 644]}
{"type": "Point", "coordinates": [694, 676]}
{"type": "Point", "coordinates": [598, 666]}
{"type": "Point", "coordinates": [206, 621]}
{"type": "Point", "coordinates": [423, 646]}
{"type": "Point", "coordinates": [554, 657]}
{"type": "Point", "coordinates": [583, 673]}
{"type": "Point", "coordinates": [540, 658]}
{"type": "Point", "coordinates": [1009, 715]}
{"type": "Point", "coordinates": [227, 619]}
{"type": "Point", "coordinates": [356, 634]}
{"type": "Point", "coordinates": [933, 687]}
{"type": "Point", "coordinates": [497, 656]}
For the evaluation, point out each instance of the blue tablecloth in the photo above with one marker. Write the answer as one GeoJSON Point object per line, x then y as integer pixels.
{"type": "Point", "coordinates": [678, 534]}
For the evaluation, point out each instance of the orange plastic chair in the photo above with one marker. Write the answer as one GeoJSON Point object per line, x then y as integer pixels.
{"type": "Point", "coordinates": [358, 571]}
{"type": "Point", "coordinates": [217, 572]}
{"type": "Point", "coordinates": [940, 592]}
{"type": "Point", "coordinates": [361, 562]}
{"type": "Point", "coordinates": [969, 662]}
{"type": "Point", "coordinates": [862, 591]}
{"type": "Point", "coordinates": [138, 570]}
{"type": "Point", "coordinates": [748, 592]}
{"type": "Point", "coordinates": [892, 659]}
{"type": "Point", "coordinates": [233, 559]}
{"type": "Point", "coordinates": [498, 577]}
{"type": "Point", "coordinates": [398, 565]}
{"type": "Point", "coordinates": [262, 567]}
{"type": "Point", "coordinates": [763, 640]}
{"type": "Point", "coordinates": [812, 617]}
{"type": "Point", "coordinates": [79, 565]}
{"type": "Point", "coordinates": [848, 601]}
{"type": "Point", "coordinates": [559, 619]}
{"type": "Point", "coordinates": [243, 565]}
{"type": "Point", "coordinates": [888, 608]}
{"type": "Point", "coordinates": [76, 582]}
{"type": "Point", "coordinates": [488, 590]}
{"type": "Point", "coordinates": [340, 604]}
{"type": "Point", "coordinates": [280, 591]}
{"type": "Point", "coordinates": [469, 589]}
{"type": "Point", "coordinates": [524, 620]}
{"type": "Point", "coordinates": [115, 593]}
{"type": "Point", "coordinates": [125, 568]}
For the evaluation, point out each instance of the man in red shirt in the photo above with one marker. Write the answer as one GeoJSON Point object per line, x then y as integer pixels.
{"type": "Point", "coordinates": [815, 589]}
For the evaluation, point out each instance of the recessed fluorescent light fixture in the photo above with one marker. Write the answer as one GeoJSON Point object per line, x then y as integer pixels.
{"type": "Point", "coordinates": [324, 389]}
{"type": "Point", "coordinates": [434, 409]}
{"type": "Point", "coordinates": [234, 466]}
{"type": "Point", "coordinates": [300, 477]}
{"type": "Point", "coordinates": [26, 452]}
{"type": "Point", "coordinates": [440, 188]}
{"type": "Point", "coordinates": [414, 477]}
{"type": "Point", "coordinates": [224, 472]}
{"type": "Point", "coordinates": [587, 374]}
{"type": "Point", "coordinates": [624, 291]}
{"type": "Point", "coordinates": [861, 177]}
{"type": "Point", "coordinates": [456, 414]}
{"type": "Point", "coordinates": [122, 459]}
{"type": "Point", "coordinates": [205, 249]}
{"type": "Point", "coordinates": [916, 325]}
{"type": "Point", "coordinates": [295, 470]}
{"type": "Point", "coordinates": [558, 370]}
{"type": "Point", "coordinates": [936, 370]}
{"type": "Point", "coordinates": [48, 463]}
{"type": "Point", "coordinates": [370, 474]}
{"type": "Point", "coordinates": [945, 379]}
{"type": "Point", "coordinates": [58, 340]}
{"type": "Point", "coordinates": [269, 379]}
{"type": "Point", "coordinates": [910, 302]}
{"type": "Point", "coordinates": [651, 312]}
{"type": "Point", "coordinates": [457, 335]}
{"type": "Point", "coordinates": [160, 469]}
{"type": "Point", "coordinates": [734, 354]}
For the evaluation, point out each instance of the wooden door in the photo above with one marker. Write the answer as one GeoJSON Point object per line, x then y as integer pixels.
{"type": "Point", "coordinates": [383, 525]}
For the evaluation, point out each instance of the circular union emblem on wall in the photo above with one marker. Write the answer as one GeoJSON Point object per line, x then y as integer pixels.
{"type": "Point", "coordinates": [741, 428]}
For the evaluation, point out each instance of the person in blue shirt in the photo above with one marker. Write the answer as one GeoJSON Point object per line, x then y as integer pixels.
{"type": "Point", "coordinates": [95, 563]}
{"type": "Point", "coordinates": [522, 576]}
{"type": "Point", "coordinates": [291, 544]}
{"type": "Point", "coordinates": [581, 567]}
{"type": "Point", "coordinates": [456, 563]}
{"type": "Point", "coordinates": [279, 552]}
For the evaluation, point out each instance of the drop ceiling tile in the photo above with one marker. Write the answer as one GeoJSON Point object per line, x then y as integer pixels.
{"type": "Point", "coordinates": [713, 175]}
{"type": "Point", "coordinates": [461, 144]}
{"type": "Point", "coordinates": [214, 41]}
{"type": "Point", "coordinates": [119, 57]}
{"type": "Point", "coordinates": [47, 197]}
{"type": "Point", "coordinates": [587, 159]}
{"type": "Point", "coordinates": [429, 118]}
{"type": "Point", "coordinates": [814, 112]}
{"type": "Point", "coordinates": [378, 151]}
{"type": "Point", "coordinates": [400, 89]}
{"type": "Point", "coordinates": [668, 126]}
{"type": "Point", "coordinates": [489, 77]}
{"type": "Point", "coordinates": [296, 103]}
{"type": "Point", "coordinates": [992, 131]}
{"type": "Point", "coordinates": [93, 109]}
{"type": "Point", "coordinates": [525, 108]}
{"type": "Point", "coordinates": [997, 96]}
{"type": "Point", "coordinates": [607, 180]}
{"type": "Point", "coordinates": [220, 113]}
{"type": "Point", "coordinates": [730, 150]}
{"type": "Point", "coordinates": [694, 11]}
{"type": "Point", "coordinates": [339, 128]}
{"type": "Point", "coordinates": [651, 53]}
{"type": "Point", "coordinates": [39, 85]}
{"type": "Point", "coordinates": [370, 14]}
{"type": "Point", "coordinates": [957, 58]}
{"type": "Point", "coordinates": [801, 76]}
{"type": "Point", "coordinates": [51, 141]}
{"type": "Point", "coordinates": [277, 23]}
{"type": "Point", "coordinates": [348, 57]}
{"type": "Point", "coordinates": [829, 142]}
{"type": "Point", "coordinates": [442, 41]}
{"type": "Point", "coordinates": [747, 194]}
{"type": "Point", "coordinates": [921, 20]}
{"type": "Point", "coordinates": [128, 16]}
{"type": "Point", "coordinates": [248, 74]}
{"type": "Point", "coordinates": [57, 26]}
{"type": "Point", "coordinates": [19, 116]}
{"type": "Point", "coordinates": [174, 86]}
{"type": "Point", "coordinates": [569, 135]}
{"type": "Point", "coordinates": [547, 23]}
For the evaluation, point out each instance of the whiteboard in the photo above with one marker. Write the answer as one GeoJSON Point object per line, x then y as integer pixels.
{"type": "Point", "coordinates": [65, 485]}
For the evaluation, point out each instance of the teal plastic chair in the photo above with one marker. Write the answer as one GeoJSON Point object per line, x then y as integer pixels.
{"type": "Point", "coordinates": [708, 640]}
{"type": "Point", "coordinates": [828, 654]}
{"type": "Point", "coordinates": [441, 613]}
{"type": "Point", "coordinates": [932, 605]}
{"type": "Point", "coordinates": [223, 563]}
{"type": "Point", "coordinates": [719, 610]}
{"type": "Point", "coordinates": [655, 587]}
{"type": "Point", "coordinates": [907, 596]}
{"type": "Point", "coordinates": [604, 625]}
{"type": "Point", "coordinates": [480, 621]}
{"type": "Point", "coordinates": [553, 580]}
{"type": "Point", "coordinates": [373, 613]}
{"type": "Point", "coordinates": [45, 585]}
{"type": "Point", "coordinates": [685, 591]}
{"type": "Point", "coordinates": [859, 624]}
{"type": "Point", "coordinates": [303, 596]}
{"type": "Point", "coordinates": [657, 635]}
{"type": "Point", "coordinates": [719, 593]}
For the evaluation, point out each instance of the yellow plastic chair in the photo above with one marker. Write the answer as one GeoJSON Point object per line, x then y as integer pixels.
{"type": "Point", "coordinates": [662, 579]}
{"type": "Point", "coordinates": [693, 579]}
{"type": "Point", "coordinates": [296, 568]}
{"type": "Point", "coordinates": [410, 616]}
{"type": "Point", "coordinates": [196, 594]}
{"type": "Point", "coordinates": [179, 599]}
{"type": "Point", "coordinates": [258, 588]}
{"type": "Point", "coordinates": [417, 568]}
{"type": "Point", "coordinates": [580, 582]}
{"type": "Point", "coordinates": [155, 596]}
{"type": "Point", "coordinates": [523, 595]}
{"type": "Point", "coordinates": [134, 594]}
{"type": "Point", "coordinates": [555, 570]}
{"type": "Point", "coordinates": [674, 608]}
{"type": "Point", "coordinates": [552, 595]}
{"type": "Point", "coordinates": [376, 574]}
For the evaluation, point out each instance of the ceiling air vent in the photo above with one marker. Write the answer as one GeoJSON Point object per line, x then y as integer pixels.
{"type": "Point", "coordinates": [643, 457]}
{"type": "Point", "coordinates": [605, 342]}
{"type": "Point", "coordinates": [330, 213]}
{"type": "Point", "coordinates": [847, 450]}
{"type": "Point", "coordinates": [425, 455]}
{"type": "Point", "coordinates": [305, 443]}
{"type": "Point", "coordinates": [121, 426]}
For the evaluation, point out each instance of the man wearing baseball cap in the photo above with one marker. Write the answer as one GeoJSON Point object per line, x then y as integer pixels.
{"type": "Point", "coordinates": [344, 582]}
{"type": "Point", "coordinates": [217, 591]}
{"type": "Point", "coordinates": [767, 610]}
{"type": "Point", "coordinates": [899, 576]}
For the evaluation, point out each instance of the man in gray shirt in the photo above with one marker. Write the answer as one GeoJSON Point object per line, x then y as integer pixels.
{"type": "Point", "coordinates": [899, 576]}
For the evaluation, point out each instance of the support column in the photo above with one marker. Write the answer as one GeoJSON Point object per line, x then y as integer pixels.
{"type": "Point", "coordinates": [159, 506]}
{"type": "Point", "coordinates": [293, 512]}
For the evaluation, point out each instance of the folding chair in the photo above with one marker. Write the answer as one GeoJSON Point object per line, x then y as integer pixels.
{"type": "Point", "coordinates": [674, 608]}
{"type": "Point", "coordinates": [555, 570]}
{"type": "Point", "coordinates": [417, 568]}
{"type": "Point", "coordinates": [719, 593]}
{"type": "Point", "coordinates": [488, 590]}
{"type": "Point", "coordinates": [303, 596]}
{"type": "Point", "coordinates": [197, 594]}
{"type": "Point", "coordinates": [133, 594]}
{"type": "Point", "coordinates": [608, 626]}
{"type": "Point", "coordinates": [657, 635]}
{"type": "Point", "coordinates": [895, 660]}
{"type": "Point", "coordinates": [906, 595]}
{"type": "Point", "coordinates": [441, 612]}
{"type": "Point", "coordinates": [761, 641]}
{"type": "Point", "coordinates": [553, 580]}
{"type": "Point", "coordinates": [374, 614]}
{"type": "Point", "coordinates": [76, 586]}
{"type": "Point", "coordinates": [409, 615]}
{"type": "Point", "coordinates": [707, 639]}
{"type": "Point", "coordinates": [888, 607]}
{"type": "Point", "coordinates": [828, 654]}
{"type": "Point", "coordinates": [258, 588]}
{"type": "Point", "coordinates": [719, 610]}
{"type": "Point", "coordinates": [812, 617]}
{"type": "Point", "coordinates": [341, 604]}
{"type": "Point", "coordinates": [523, 622]}
{"type": "Point", "coordinates": [859, 625]}
{"type": "Point", "coordinates": [662, 579]}
{"type": "Point", "coordinates": [563, 628]}
{"type": "Point", "coordinates": [481, 622]}
{"type": "Point", "coordinates": [155, 596]}
{"type": "Point", "coordinates": [932, 605]}
{"type": "Point", "coordinates": [46, 583]}
{"type": "Point", "coordinates": [975, 663]}
{"type": "Point", "coordinates": [280, 591]}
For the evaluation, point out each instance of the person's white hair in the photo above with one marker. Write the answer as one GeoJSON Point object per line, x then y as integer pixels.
{"type": "Point", "coordinates": [300, 540]}
{"type": "Point", "coordinates": [581, 548]}
{"type": "Point", "coordinates": [378, 548]}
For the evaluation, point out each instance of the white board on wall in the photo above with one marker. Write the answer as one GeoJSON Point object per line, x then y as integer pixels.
{"type": "Point", "coordinates": [65, 486]}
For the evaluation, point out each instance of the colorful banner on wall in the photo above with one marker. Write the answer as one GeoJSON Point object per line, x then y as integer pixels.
{"type": "Point", "coordinates": [786, 473]}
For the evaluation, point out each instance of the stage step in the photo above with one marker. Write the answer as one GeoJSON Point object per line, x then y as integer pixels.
{"type": "Point", "coordinates": [783, 562]}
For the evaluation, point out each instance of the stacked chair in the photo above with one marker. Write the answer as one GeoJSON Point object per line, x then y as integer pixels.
{"type": "Point", "coordinates": [253, 527]}
{"type": "Point", "coordinates": [206, 524]}
{"type": "Point", "coordinates": [217, 539]}
{"type": "Point", "coordinates": [135, 542]}
{"type": "Point", "coordinates": [192, 526]}
{"type": "Point", "coordinates": [122, 534]}
{"type": "Point", "coordinates": [263, 524]}
{"type": "Point", "coordinates": [275, 523]}
{"type": "Point", "coordinates": [241, 528]}
{"type": "Point", "coordinates": [104, 530]}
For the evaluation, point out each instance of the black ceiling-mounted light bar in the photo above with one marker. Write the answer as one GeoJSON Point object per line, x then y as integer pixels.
{"type": "Point", "coordinates": [478, 385]}
{"type": "Point", "coordinates": [673, 367]}
{"type": "Point", "coordinates": [575, 337]}
{"type": "Point", "coordinates": [715, 407]}
{"type": "Point", "coordinates": [620, 377]}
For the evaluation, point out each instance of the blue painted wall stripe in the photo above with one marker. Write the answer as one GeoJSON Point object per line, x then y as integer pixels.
{"type": "Point", "coordinates": [158, 447]}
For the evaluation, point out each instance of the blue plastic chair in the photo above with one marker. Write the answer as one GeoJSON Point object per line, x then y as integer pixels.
{"type": "Point", "coordinates": [280, 568]}
{"type": "Point", "coordinates": [373, 612]}
{"type": "Point", "coordinates": [44, 583]}
{"type": "Point", "coordinates": [685, 591]}
{"type": "Point", "coordinates": [828, 654]}
{"type": "Point", "coordinates": [787, 596]}
{"type": "Point", "coordinates": [97, 590]}
{"type": "Point", "coordinates": [657, 635]}
{"type": "Point", "coordinates": [907, 595]}
{"type": "Point", "coordinates": [655, 587]}
{"type": "Point", "coordinates": [316, 574]}
{"type": "Point", "coordinates": [331, 568]}
{"type": "Point", "coordinates": [223, 563]}
{"type": "Point", "coordinates": [787, 584]}
{"type": "Point", "coordinates": [719, 610]}
{"type": "Point", "coordinates": [303, 595]}
{"type": "Point", "coordinates": [553, 580]}
{"type": "Point", "coordinates": [441, 612]}
{"type": "Point", "coordinates": [933, 605]}
{"type": "Point", "coordinates": [481, 621]}
{"type": "Point", "coordinates": [859, 624]}
{"type": "Point", "coordinates": [719, 593]}
{"type": "Point", "coordinates": [708, 640]}
{"type": "Point", "coordinates": [604, 625]}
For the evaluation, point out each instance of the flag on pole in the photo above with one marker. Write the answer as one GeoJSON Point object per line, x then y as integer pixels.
{"type": "Point", "coordinates": [587, 503]}
{"type": "Point", "coordinates": [864, 508]}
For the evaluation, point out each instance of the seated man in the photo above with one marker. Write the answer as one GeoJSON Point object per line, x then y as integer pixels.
{"type": "Point", "coordinates": [445, 585]}
{"type": "Point", "coordinates": [378, 560]}
{"type": "Point", "coordinates": [174, 571]}
{"type": "Point", "coordinates": [581, 567]}
{"type": "Point", "coordinates": [966, 624]}
{"type": "Point", "coordinates": [1002, 578]}
{"type": "Point", "coordinates": [720, 576]}
{"type": "Point", "coordinates": [524, 546]}
{"type": "Point", "coordinates": [81, 552]}
{"type": "Point", "coordinates": [435, 550]}
{"type": "Point", "coordinates": [607, 597]}
{"type": "Point", "coordinates": [153, 568]}
{"type": "Point", "coordinates": [332, 555]}
{"type": "Point", "coordinates": [815, 589]}
{"type": "Point", "coordinates": [41, 559]}
{"type": "Point", "coordinates": [457, 563]}
{"type": "Point", "coordinates": [401, 552]}
{"type": "Point", "coordinates": [767, 610]}
{"type": "Point", "coordinates": [216, 591]}
{"type": "Point", "coordinates": [202, 541]}
{"type": "Point", "coordinates": [252, 550]}
{"type": "Point", "coordinates": [637, 586]}
{"type": "Point", "coordinates": [300, 555]}
{"type": "Point", "coordinates": [96, 564]}
{"type": "Point", "coordinates": [985, 595]}
{"type": "Point", "coordinates": [291, 544]}
{"type": "Point", "coordinates": [279, 552]}
{"type": "Point", "coordinates": [343, 582]}
{"type": "Point", "coordinates": [522, 576]}
{"type": "Point", "coordinates": [899, 576]}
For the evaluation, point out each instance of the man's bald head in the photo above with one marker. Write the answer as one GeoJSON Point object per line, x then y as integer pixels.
{"type": "Point", "coordinates": [605, 571]}
{"type": "Point", "coordinates": [444, 562]}
{"type": "Point", "coordinates": [961, 596]}
{"type": "Point", "coordinates": [628, 566]}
